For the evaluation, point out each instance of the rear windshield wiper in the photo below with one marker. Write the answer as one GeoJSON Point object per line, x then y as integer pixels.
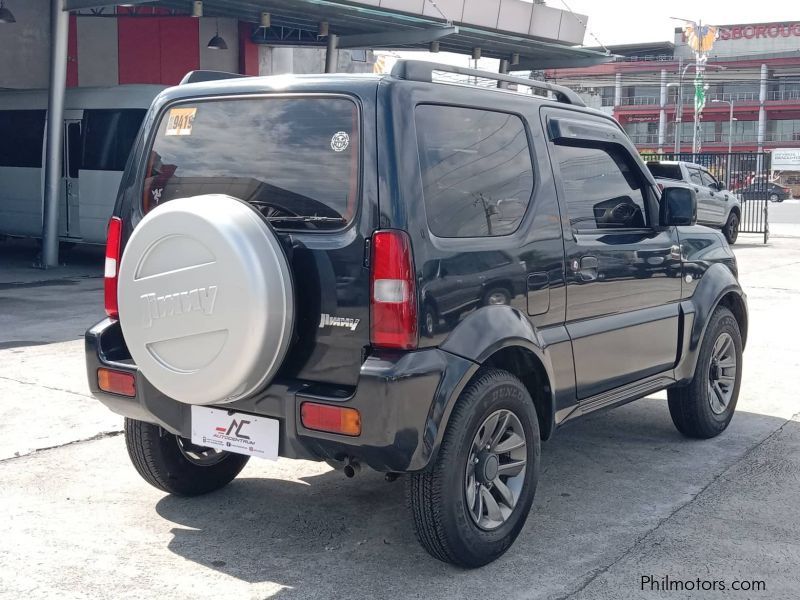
{"type": "Point", "coordinates": [308, 219]}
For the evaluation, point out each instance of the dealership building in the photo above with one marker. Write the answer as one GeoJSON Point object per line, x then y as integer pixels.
{"type": "Point", "coordinates": [752, 99]}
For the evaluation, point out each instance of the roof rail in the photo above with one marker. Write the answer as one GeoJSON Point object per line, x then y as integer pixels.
{"type": "Point", "coordinates": [200, 76]}
{"type": "Point", "coordinates": [420, 70]}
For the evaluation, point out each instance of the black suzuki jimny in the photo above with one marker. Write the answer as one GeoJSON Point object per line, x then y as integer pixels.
{"type": "Point", "coordinates": [425, 278]}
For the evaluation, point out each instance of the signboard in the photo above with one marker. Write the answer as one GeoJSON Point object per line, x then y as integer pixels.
{"type": "Point", "coordinates": [786, 159]}
{"type": "Point", "coordinates": [768, 30]}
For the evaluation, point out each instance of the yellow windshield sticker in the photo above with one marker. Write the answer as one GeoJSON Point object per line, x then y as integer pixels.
{"type": "Point", "coordinates": [180, 121]}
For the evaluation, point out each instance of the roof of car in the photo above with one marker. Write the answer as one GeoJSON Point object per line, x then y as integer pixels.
{"type": "Point", "coordinates": [675, 162]}
{"type": "Point", "coordinates": [204, 84]}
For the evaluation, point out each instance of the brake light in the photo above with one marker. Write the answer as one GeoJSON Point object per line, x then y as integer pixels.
{"type": "Point", "coordinates": [334, 419]}
{"type": "Point", "coordinates": [393, 296]}
{"type": "Point", "coordinates": [112, 266]}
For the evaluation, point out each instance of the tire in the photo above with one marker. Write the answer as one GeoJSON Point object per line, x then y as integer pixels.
{"type": "Point", "coordinates": [497, 295]}
{"type": "Point", "coordinates": [731, 228]}
{"type": "Point", "coordinates": [159, 458]}
{"type": "Point", "coordinates": [695, 409]}
{"type": "Point", "coordinates": [444, 518]}
{"type": "Point", "coordinates": [774, 198]}
{"type": "Point", "coordinates": [430, 319]}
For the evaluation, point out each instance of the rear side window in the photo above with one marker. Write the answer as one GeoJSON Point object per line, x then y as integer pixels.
{"type": "Point", "coordinates": [108, 137]}
{"type": "Point", "coordinates": [21, 138]}
{"type": "Point", "coordinates": [295, 159]}
{"type": "Point", "coordinates": [477, 175]}
{"type": "Point", "coordinates": [665, 171]}
{"type": "Point", "coordinates": [600, 188]}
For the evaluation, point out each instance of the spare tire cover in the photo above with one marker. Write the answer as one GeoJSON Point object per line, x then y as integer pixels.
{"type": "Point", "coordinates": [206, 301]}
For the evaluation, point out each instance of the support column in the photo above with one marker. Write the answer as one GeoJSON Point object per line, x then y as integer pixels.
{"type": "Point", "coordinates": [618, 89]}
{"type": "Point", "coordinates": [503, 70]}
{"type": "Point", "coordinates": [662, 114]}
{"type": "Point", "coordinates": [762, 109]}
{"type": "Point", "coordinates": [332, 53]}
{"type": "Point", "coordinates": [54, 151]}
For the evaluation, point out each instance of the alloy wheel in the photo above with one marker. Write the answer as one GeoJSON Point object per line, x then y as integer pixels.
{"type": "Point", "coordinates": [495, 470]}
{"type": "Point", "coordinates": [722, 373]}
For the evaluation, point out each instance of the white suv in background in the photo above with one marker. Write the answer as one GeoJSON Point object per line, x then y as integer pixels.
{"type": "Point", "coordinates": [716, 206]}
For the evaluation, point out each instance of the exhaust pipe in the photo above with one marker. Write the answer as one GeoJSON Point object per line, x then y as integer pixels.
{"type": "Point", "coordinates": [351, 467]}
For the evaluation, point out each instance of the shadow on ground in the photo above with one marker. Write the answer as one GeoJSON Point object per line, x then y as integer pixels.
{"type": "Point", "coordinates": [604, 483]}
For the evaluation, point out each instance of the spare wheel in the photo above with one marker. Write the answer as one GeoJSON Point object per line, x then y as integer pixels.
{"type": "Point", "coordinates": [206, 301]}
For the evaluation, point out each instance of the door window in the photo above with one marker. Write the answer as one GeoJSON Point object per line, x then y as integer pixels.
{"type": "Point", "coordinates": [694, 176]}
{"type": "Point", "coordinates": [601, 189]}
{"type": "Point", "coordinates": [477, 175]}
{"type": "Point", "coordinates": [21, 137]}
{"type": "Point", "coordinates": [72, 158]}
{"type": "Point", "coordinates": [109, 138]}
{"type": "Point", "coordinates": [708, 180]}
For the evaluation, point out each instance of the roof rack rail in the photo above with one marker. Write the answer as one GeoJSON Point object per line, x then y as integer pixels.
{"type": "Point", "coordinates": [200, 76]}
{"type": "Point", "coordinates": [421, 70]}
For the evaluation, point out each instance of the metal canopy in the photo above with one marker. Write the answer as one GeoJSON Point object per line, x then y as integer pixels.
{"type": "Point", "coordinates": [296, 22]}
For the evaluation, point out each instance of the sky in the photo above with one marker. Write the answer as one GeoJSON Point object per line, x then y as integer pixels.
{"type": "Point", "coordinates": [630, 21]}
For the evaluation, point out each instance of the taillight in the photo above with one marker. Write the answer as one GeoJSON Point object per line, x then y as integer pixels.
{"type": "Point", "coordinates": [112, 266]}
{"type": "Point", "coordinates": [393, 300]}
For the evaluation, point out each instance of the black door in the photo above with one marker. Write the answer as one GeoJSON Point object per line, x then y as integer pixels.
{"type": "Point", "coordinates": [623, 271]}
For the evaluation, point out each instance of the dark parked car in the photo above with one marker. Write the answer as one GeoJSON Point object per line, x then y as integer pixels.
{"type": "Point", "coordinates": [765, 190]}
{"type": "Point", "coordinates": [456, 285]}
{"type": "Point", "coordinates": [277, 245]}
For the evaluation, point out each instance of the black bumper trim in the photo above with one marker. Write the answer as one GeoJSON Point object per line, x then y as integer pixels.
{"type": "Point", "coordinates": [403, 399]}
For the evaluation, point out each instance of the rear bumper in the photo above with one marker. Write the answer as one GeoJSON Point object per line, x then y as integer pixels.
{"type": "Point", "coordinates": [403, 398]}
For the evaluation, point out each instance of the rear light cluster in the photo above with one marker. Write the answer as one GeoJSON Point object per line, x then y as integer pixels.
{"type": "Point", "coordinates": [393, 295]}
{"type": "Point", "coordinates": [113, 244]}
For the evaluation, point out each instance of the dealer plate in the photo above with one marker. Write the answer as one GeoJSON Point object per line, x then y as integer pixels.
{"type": "Point", "coordinates": [235, 432]}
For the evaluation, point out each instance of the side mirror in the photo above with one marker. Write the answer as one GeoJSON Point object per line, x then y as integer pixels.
{"type": "Point", "coordinates": [678, 206]}
{"type": "Point", "coordinates": [721, 186]}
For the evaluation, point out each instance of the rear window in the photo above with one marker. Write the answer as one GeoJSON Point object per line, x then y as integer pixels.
{"type": "Point", "coordinates": [295, 159]}
{"type": "Point", "coordinates": [108, 138]}
{"type": "Point", "coordinates": [21, 136]}
{"type": "Point", "coordinates": [665, 171]}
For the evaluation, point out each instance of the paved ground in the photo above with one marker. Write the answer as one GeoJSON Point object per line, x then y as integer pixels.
{"type": "Point", "coordinates": [622, 496]}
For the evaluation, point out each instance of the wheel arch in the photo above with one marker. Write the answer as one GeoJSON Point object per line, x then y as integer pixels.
{"type": "Point", "coordinates": [526, 366]}
{"type": "Point", "coordinates": [502, 337]}
{"type": "Point", "coordinates": [717, 287]}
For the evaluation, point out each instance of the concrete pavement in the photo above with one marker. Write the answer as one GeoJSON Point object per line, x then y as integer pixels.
{"type": "Point", "coordinates": [621, 496]}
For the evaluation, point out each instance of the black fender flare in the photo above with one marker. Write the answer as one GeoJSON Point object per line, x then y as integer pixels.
{"type": "Point", "coordinates": [716, 285]}
{"type": "Point", "coordinates": [479, 336]}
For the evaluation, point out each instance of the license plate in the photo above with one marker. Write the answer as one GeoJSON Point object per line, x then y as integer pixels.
{"type": "Point", "coordinates": [235, 432]}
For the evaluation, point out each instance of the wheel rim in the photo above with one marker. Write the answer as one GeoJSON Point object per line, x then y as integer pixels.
{"type": "Point", "coordinates": [722, 374]}
{"type": "Point", "coordinates": [773, 198]}
{"type": "Point", "coordinates": [733, 227]}
{"type": "Point", "coordinates": [495, 471]}
{"type": "Point", "coordinates": [497, 298]}
{"type": "Point", "coordinates": [199, 455]}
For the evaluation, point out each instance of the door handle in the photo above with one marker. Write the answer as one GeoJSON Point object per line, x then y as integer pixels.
{"type": "Point", "coordinates": [587, 268]}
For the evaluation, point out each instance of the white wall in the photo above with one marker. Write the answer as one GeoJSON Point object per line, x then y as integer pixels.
{"type": "Point", "coordinates": [25, 46]}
